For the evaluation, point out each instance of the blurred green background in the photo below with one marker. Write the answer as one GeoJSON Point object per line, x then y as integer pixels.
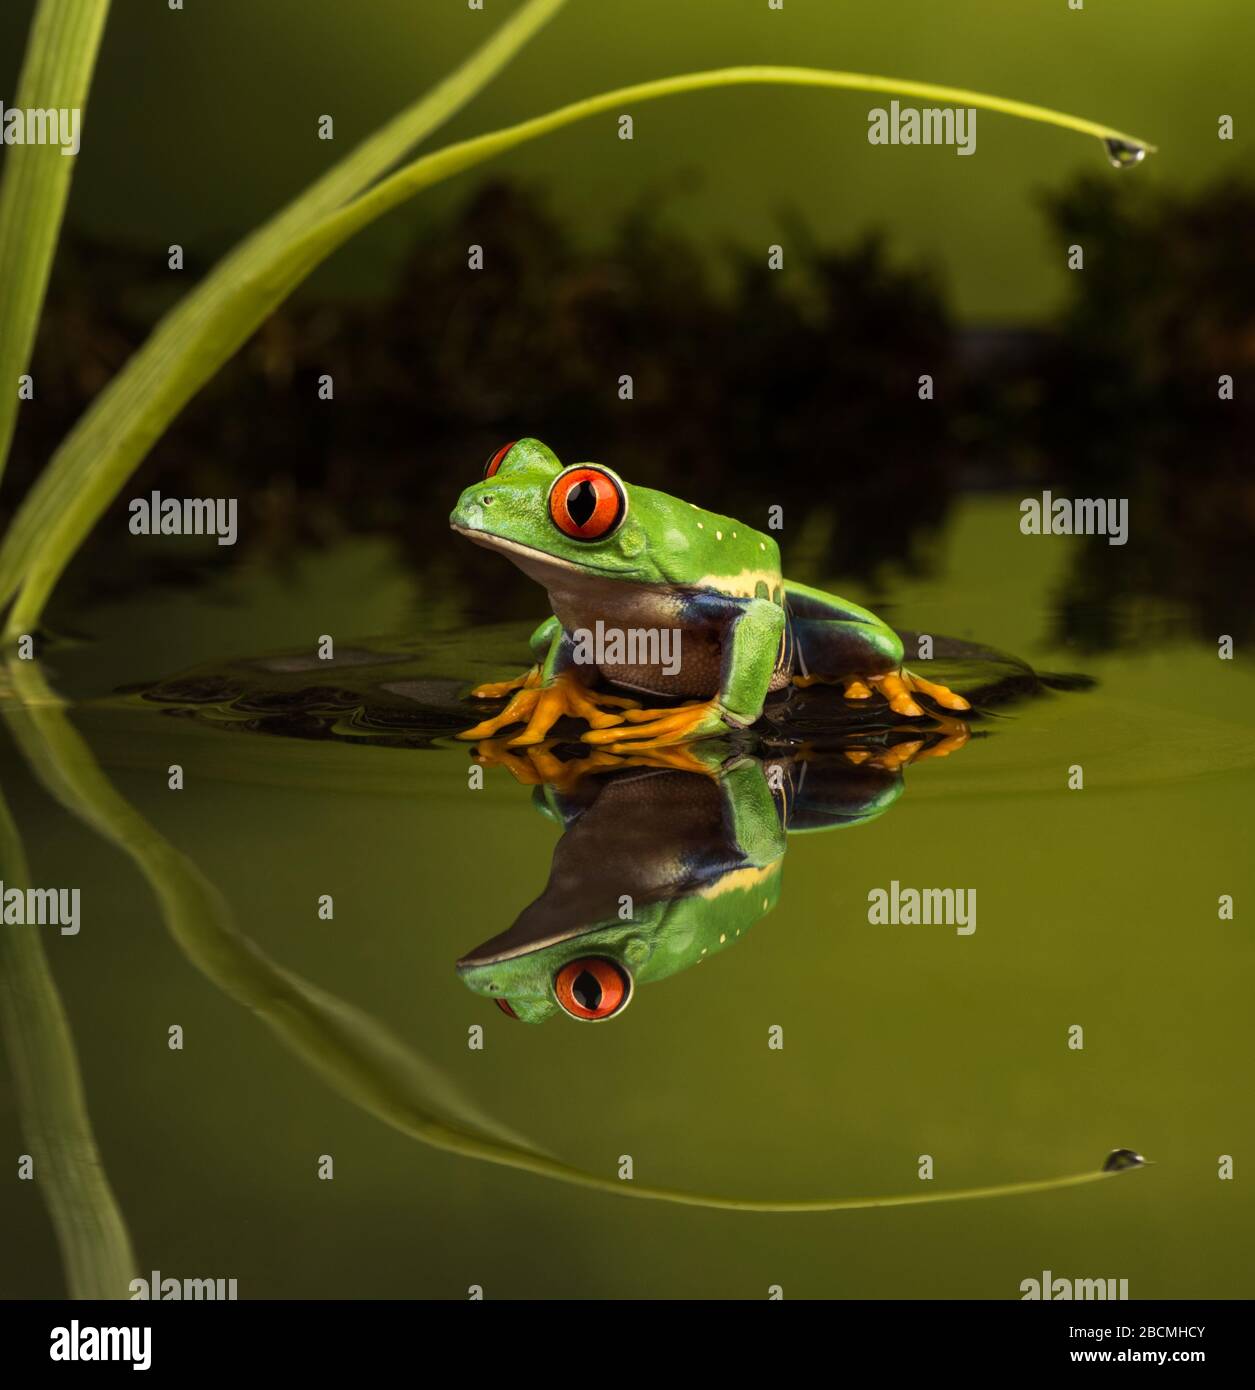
{"type": "Point", "coordinates": [202, 122]}
{"type": "Point", "coordinates": [1095, 907]}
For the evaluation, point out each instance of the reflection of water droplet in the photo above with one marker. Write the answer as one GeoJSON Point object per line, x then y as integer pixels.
{"type": "Point", "coordinates": [1119, 1159]}
{"type": "Point", "coordinates": [1124, 154]}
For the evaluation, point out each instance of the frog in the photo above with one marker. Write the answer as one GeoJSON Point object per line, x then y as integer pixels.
{"type": "Point", "coordinates": [640, 564]}
{"type": "Point", "coordinates": [663, 864]}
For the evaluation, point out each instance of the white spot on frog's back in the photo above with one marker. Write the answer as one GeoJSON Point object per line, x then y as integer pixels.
{"type": "Point", "coordinates": [748, 562]}
{"type": "Point", "coordinates": [673, 536]}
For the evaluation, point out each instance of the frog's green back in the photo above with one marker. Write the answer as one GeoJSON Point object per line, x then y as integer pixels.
{"type": "Point", "coordinates": [705, 550]}
{"type": "Point", "coordinates": [711, 919]}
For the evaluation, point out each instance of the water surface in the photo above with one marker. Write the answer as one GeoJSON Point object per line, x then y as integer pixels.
{"type": "Point", "coordinates": [1097, 907]}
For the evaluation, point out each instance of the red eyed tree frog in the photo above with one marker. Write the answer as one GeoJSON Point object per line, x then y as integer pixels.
{"type": "Point", "coordinates": [659, 869]}
{"type": "Point", "coordinates": [631, 560]}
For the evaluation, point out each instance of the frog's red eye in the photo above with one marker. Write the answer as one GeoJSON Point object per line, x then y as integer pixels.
{"type": "Point", "coordinates": [592, 988]}
{"type": "Point", "coordinates": [496, 460]}
{"type": "Point", "coordinates": [586, 503]}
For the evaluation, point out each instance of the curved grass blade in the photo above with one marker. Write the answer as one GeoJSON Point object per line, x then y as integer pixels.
{"type": "Point", "coordinates": [350, 1051]}
{"type": "Point", "coordinates": [139, 403]}
{"type": "Point", "coordinates": [105, 447]}
{"type": "Point", "coordinates": [52, 1112]}
{"type": "Point", "coordinates": [56, 73]}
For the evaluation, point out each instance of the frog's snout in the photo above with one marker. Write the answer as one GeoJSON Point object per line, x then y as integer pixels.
{"type": "Point", "coordinates": [468, 515]}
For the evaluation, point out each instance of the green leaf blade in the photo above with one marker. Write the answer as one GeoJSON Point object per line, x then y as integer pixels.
{"type": "Point", "coordinates": [188, 347]}
{"type": "Point", "coordinates": [57, 72]}
{"type": "Point", "coordinates": [196, 337]}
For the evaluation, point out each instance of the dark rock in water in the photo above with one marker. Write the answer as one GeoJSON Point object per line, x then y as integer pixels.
{"type": "Point", "coordinates": [388, 694]}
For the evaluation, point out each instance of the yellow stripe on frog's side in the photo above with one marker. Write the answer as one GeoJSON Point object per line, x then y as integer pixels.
{"type": "Point", "coordinates": [739, 880]}
{"type": "Point", "coordinates": [741, 585]}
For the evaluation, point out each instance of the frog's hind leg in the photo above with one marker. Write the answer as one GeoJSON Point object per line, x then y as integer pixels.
{"type": "Point", "coordinates": [839, 642]}
{"type": "Point", "coordinates": [544, 694]}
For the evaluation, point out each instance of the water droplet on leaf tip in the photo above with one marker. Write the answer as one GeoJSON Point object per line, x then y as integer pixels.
{"type": "Point", "coordinates": [1119, 1159]}
{"type": "Point", "coordinates": [1123, 154]}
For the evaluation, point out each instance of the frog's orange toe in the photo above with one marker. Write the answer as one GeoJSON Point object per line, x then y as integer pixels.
{"type": "Point", "coordinates": [494, 690]}
{"type": "Point", "coordinates": [539, 707]}
{"type": "Point", "coordinates": [660, 728]}
{"type": "Point", "coordinates": [895, 689]}
{"type": "Point", "coordinates": [538, 765]}
{"type": "Point", "coordinates": [899, 689]}
{"type": "Point", "coordinates": [943, 695]}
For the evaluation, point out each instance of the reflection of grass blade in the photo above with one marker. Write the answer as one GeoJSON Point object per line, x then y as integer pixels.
{"type": "Point", "coordinates": [103, 450]}
{"type": "Point", "coordinates": [350, 1051]}
{"type": "Point", "coordinates": [212, 321]}
{"type": "Point", "coordinates": [57, 72]}
{"type": "Point", "coordinates": [91, 1233]}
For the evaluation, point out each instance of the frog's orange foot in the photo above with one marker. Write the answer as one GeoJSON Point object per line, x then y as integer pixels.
{"type": "Point", "coordinates": [494, 690]}
{"type": "Point", "coordinates": [955, 734]}
{"type": "Point", "coordinates": [940, 694]}
{"type": "Point", "coordinates": [855, 689]}
{"type": "Point", "coordinates": [538, 765]}
{"type": "Point", "coordinates": [900, 689]}
{"type": "Point", "coordinates": [539, 707]}
{"type": "Point", "coordinates": [523, 767]}
{"type": "Point", "coordinates": [659, 728]}
{"type": "Point", "coordinates": [891, 759]}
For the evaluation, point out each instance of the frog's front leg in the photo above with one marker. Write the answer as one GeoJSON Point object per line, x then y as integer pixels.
{"type": "Point", "coordinates": [551, 689]}
{"type": "Point", "coordinates": [840, 642]}
{"type": "Point", "coordinates": [750, 631]}
{"type": "Point", "coordinates": [539, 643]}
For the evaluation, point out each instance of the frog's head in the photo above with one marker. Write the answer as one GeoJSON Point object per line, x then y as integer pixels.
{"type": "Point", "coordinates": [589, 977]}
{"type": "Point", "coordinates": [549, 519]}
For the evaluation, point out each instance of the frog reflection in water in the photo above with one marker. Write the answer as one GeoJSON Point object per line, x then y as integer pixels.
{"type": "Point", "coordinates": [639, 561]}
{"type": "Point", "coordinates": [663, 864]}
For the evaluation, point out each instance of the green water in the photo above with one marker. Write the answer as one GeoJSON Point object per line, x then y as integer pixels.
{"type": "Point", "coordinates": [1097, 907]}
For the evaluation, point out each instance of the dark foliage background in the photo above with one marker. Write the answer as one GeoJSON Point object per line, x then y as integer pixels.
{"type": "Point", "coordinates": [751, 387]}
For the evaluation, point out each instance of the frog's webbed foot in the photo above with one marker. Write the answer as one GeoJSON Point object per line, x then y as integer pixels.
{"type": "Point", "coordinates": [659, 728]}
{"type": "Point", "coordinates": [539, 707]}
{"type": "Point", "coordinates": [899, 689]}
